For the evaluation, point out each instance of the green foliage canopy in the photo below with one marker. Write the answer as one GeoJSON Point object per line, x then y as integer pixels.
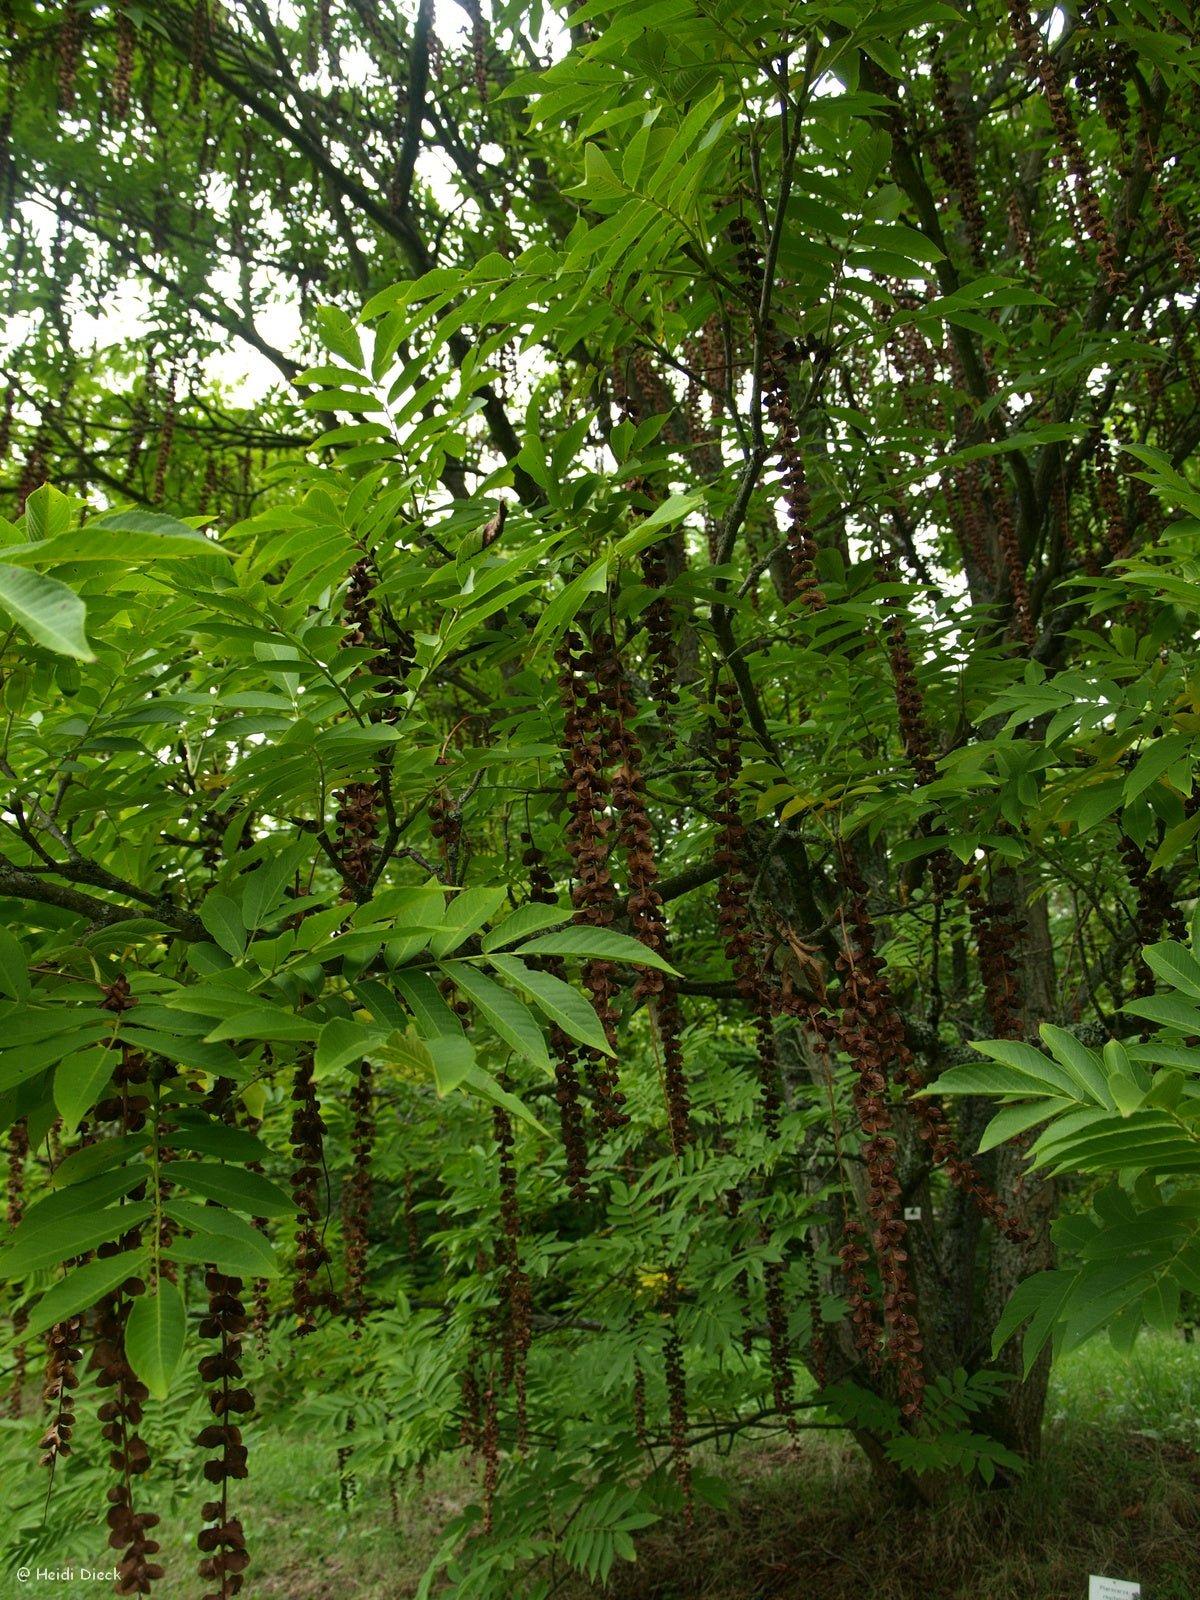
{"type": "Point", "coordinates": [495, 872]}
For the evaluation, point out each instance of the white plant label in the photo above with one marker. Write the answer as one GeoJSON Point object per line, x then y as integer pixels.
{"type": "Point", "coordinates": [912, 1213]}
{"type": "Point", "coordinates": [1113, 1589]}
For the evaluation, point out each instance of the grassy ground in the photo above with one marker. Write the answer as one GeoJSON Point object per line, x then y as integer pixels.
{"type": "Point", "coordinates": [812, 1527]}
{"type": "Point", "coordinates": [1118, 1493]}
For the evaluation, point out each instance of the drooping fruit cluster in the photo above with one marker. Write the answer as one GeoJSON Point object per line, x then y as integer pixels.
{"type": "Point", "coordinates": [1116, 534]}
{"type": "Point", "coordinates": [130, 1455]}
{"type": "Point", "coordinates": [910, 704]}
{"type": "Point", "coordinates": [224, 1557]}
{"type": "Point", "coordinates": [677, 1408]}
{"type": "Point", "coordinates": [864, 1033]}
{"type": "Point", "coordinates": [802, 548]}
{"type": "Point", "coordinates": [779, 1344]}
{"type": "Point", "coordinates": [565, 1052]}
{"type": "Point", "coordinates": [1173, 229]}
{"type": "Point", "coordinates": [132, 1070]}
{"type": "Point", "coordinates": [733, 900]}
{"type": "Point", "coordinates": [962, 164]}
{"type": "Point", "coordinates": [446, 825]}
{"type": "Point", "coordinates": [312, 1257]}
{"type": "Point", "coordinates": [63, 1354]}
{"type": "Point", "coordinates": [479, 45]}
{"type": "Point", "coordinates": [70, 39]}
{"type": "Point", "coordinates": [515, 1302]}
{"type": "Point", "coordinates": [586, 791]}
{"type": "Point", "coordinates": [356, 1195]}
{"type": "Point", "coordinates": [660, 632]}
{"type": "Point", "coordinates": [123, 67]}
{"type": "Point", "coordinates": [358, 616]}
{"type": "Point", "coordinates": [1038, 59]}
{"type": "Point", "coordinates": [1010, 551]}
{"type": "Point", "coordinates": [994, 939]}
{"type": "Point", "coordinates": [489, 1447]}
{"type": "Point", "coordinates": [198, 48]}
{"type": "Point", "coordinates": [372, 626]}
{"type": "Point", "coordinates": [357, 827]}
{"type": "Point", "coordinates": [966, 494]}
{"type": "Point", "coordinates": [166, 437]}
{"type": "Point", "coordinates": [644, 904]}
{"type": "Point", "coordinates": [864, 1308]}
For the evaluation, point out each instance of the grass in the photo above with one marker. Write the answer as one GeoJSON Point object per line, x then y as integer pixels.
{"type": "Point", "coordinates": [808, 1523]}
{"type": "Point", "coordinates": [304, 1545]}
{"type": "Point", "coordinates": [1117, 1492]}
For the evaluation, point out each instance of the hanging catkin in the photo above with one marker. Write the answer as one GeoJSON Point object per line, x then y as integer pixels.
{"type": "Point", "coordinates": [222, 1542]}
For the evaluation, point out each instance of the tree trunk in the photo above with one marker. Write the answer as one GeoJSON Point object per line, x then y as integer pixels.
{"type": "Point", "coordinates": [962, 1268]}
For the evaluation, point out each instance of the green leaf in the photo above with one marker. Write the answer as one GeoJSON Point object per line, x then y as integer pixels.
{"type": "Point", "coordinates": [433, 1015]}
{"type": "Point", "coordinates": [155, 1332]}
{"type": "Point", "coordinates": [342, 1041]}
{"type": "Point", "coordinates": [82, 1288]}
{"type": "Point", "coordinates": [79, 1082]}
{"type": "Point", "coordinates": [565, 607]}
{"type": "Point", "coordinates": [596, 944]}
{"type": "Point", "coordinates": [74, 1033]}
{"type": "Point", "coordinates": [81, 1165]}
{"type": "Point", "coordinates": [600, 181]}
{"type": "Point", "coordinates": [1126, 1094]}
{"type": "Point", "coordinates": [659, 523]}
{"type": "Point", "coordinates": [1012, 1120]}
{"type": "Point", "coordinates": [222, 1238]}
{"type": "Point", "coordinates": [14, 968]}
{"type": "Point", "coordinates": [524, 921]}
{"type": "Point", "coordinates": [272, 1023]}
{"type": "Point", "coordinates": [48, 513]}
{"type": "Point", "coordinates": [230, 1186]}
{"type": "Point", "coordinates": [446, 1057]}
{"type": "Point", "coordinates": [1042, 1298]}
{"type": "Point", "coordinates": [1046, 1076]}
{"type": "Point", "coordinates": [34, 1249]}
{"type": "Point", "coordinates": [262, 889]}
{"type": "Point", "coordinates": [128, 537]}
{"type": "Point", "coordinates": [219, 1139]}
{"type": "Point", "coordinates": [82, 1199]}
{"type": "Point", "coordinates": [339, 335]}
{"type": "Point", "coordinates": [988, 1079]}
{"type": "Point", "coordinates": [486, 1086]}
{"type": "Point", "coordinates": [1174, 964]}
{"type": "Point", "coordinates": [1167, 1010]}
{"type": "Point", "coordinates": [465, 915]}
{"type": "Point", "coordinates": [50, 613]}
{"type": "Point", "coordinates": [1083, 1064]}
{"type": "Point", "coordinates": [513, 1021]}
{"type": "Point", "coordinates": [1160, 1307]}
{"type": "Point", "coordinates": [573, 1013]}
{"type": "Point", "coordinates": [222, 918]}
{"type": "Point", "coordinates": [406, 1048]}
{"type": "Point", "coordinates": [1151, 765]}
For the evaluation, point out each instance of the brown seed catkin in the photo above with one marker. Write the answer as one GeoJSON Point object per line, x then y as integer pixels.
{"type": "Point", "coordinates": [222, 1542]}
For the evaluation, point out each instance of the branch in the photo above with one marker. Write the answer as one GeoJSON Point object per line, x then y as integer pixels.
{"type": "Point", "coordinates": [418, 82]}
{"type": "Point", "coordinates": [690, 878]}
{"type": "Point", "coordinates": [100, 913]}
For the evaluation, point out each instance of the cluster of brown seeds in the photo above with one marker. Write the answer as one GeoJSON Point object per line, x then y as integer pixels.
{"type": "Point", "coordinates": [308, 1145]}
{"type": "Point", "coordinates": [224, 1557]}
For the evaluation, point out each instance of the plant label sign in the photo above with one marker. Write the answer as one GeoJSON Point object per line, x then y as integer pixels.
{"type": "Point", "coordinates": [1113, 1589]}
{"type": "Point", "coordinates": [912, 1213]}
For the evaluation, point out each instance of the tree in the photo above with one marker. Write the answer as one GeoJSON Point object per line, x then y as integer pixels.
{"type": "Point", "coordinates": [727, 649]}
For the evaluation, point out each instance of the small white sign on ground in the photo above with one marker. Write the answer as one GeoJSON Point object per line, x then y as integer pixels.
{"type": "Point", "coordinates": [1113, 1589]}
